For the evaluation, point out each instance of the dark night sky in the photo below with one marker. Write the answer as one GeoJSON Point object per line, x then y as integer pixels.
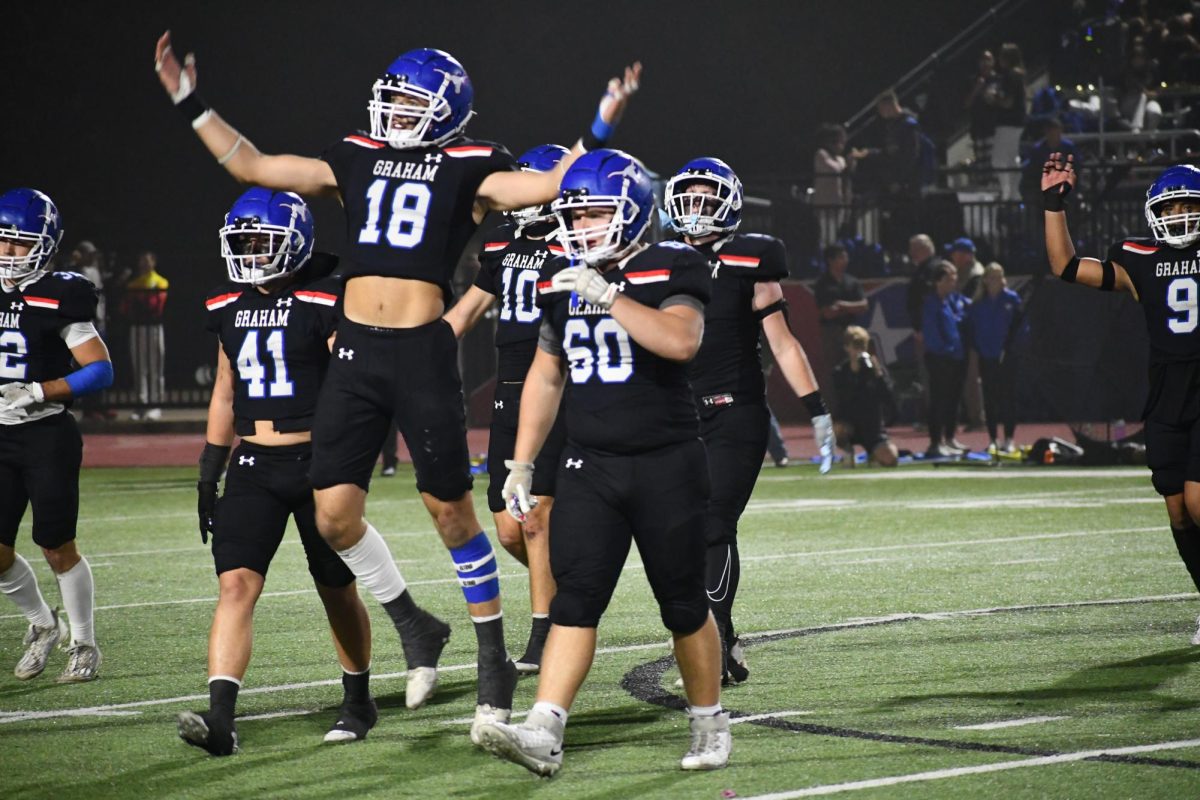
{"type": "Point", "coordinates": [88, 123]}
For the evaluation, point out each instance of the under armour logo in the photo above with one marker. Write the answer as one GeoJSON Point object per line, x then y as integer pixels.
{"type": "Point", "coordinates": [456, 81]}
{"type": "Point", "coordinates": [16, 306]}
{"type": "Point", "coordinates": [574, 463]}
{"type": "Point", "coordinates": [284, 301]}
{"type": "Point", "coordinates": [497, 404]}
{"type": "Point", "coordinates": [433, 158]}
{"type": "Point", "coordinates": [346, 354]}
{"type": "Point", "coordinates": [246, 460]}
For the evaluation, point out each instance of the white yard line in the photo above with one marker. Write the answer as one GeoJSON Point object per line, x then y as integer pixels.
{"type": "Point", "coordinates": [1022, 561]}
{"type": "Point", "coordinates": [969, 473]}
{"type": "Point", "coordinates": [940, 774]}
{"type": "Point", "coordinates": [1008, 723]}
{"type": "Point", "coordinates": [772, 715]}
{"type": "Point", "coordinates": [659, 644]}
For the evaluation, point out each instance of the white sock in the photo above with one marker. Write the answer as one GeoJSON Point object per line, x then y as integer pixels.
{"type": "Point", "coordinates": [79, 595]}
{"type": "Point", "coordinates": [21, 585]}
{"type": "Point", "coordinates": [371, 562]}
{"type": "Point", "coordinates": [550, 712]}
{"type": "Point", "coordinates": [705, 711]}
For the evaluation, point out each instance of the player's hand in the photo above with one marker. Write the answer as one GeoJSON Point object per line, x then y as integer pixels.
{"type": "Point", "coordinates": [587, 283]}
{"type": "Point", "coordinates": [1058, 179]}
{"type": "Point", "coordinates": [206, 507]}
{"type": "Point", "coordinates": [518, 489]}
{"type": "Point", "coordinates": [179, 80]}
{"type": "Point", "coordinates": [823, 433]}
{"type": "Point", "coordinates": [617, 95]}
{"type": "Point", "coordinates": [14, 396]}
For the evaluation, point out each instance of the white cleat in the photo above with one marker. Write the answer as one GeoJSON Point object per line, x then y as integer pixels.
{"type": "Point", "coordinates": [486, 715]}
{"type": "Point", "coordinates": [83, 664]}
{"type": "Point", "coordinates": [1196, 635]}
{"type": "Point", "coordinates": [38, 644]}
{"type": "Point", "coordinates": [711, 743]}
{"type": "Point", "coordinates": [536, 747]}
{"type": "Point", "coordinates": [422, 682]}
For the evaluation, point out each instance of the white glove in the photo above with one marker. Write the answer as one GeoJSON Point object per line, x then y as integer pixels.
{"type": "Point", "coordinates": [14, 396]}
{"type": "Point", "coordinates": [518, 489]}
{"type": "Point", "coordinates": [587, 283]}
{"type": "Point", "coordinates": [823, 433]}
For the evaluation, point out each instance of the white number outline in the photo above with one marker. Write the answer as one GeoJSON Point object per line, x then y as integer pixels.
{"type": "Point", "coordinates": [402, 214]}
{"type": "Point", "coordinates": [10, 364]}
{"type": "Point", "coordinates": [251, 369]}
{"type": "Point", "coordinates": [1183, 305]}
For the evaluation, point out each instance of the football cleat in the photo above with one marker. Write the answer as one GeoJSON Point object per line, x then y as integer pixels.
{"type": "Point", "coordinates": [1196, 635]}
{"type": "Point", "coordinates": [711, 743]}
{"type": "Point", "coordinates": [354, 720]}
{"type": "Point", "coordinates": [494, 697]}
{"type": "Point", "coordinates": [83, 664]}
{"type": "Point", "coordinates": [38, 644]}
{"type": "Point", "coordinates": [423, 646]}
{"type": "Point", "coordinates": [209, 732]}
{"type": "Point", "coordinates": [487, 715]}
{"type": "Point", "coordinates": [536, 744]}
{"type": "Point", "coordinates": [736, 670]}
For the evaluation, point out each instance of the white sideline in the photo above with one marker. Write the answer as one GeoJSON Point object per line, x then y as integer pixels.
{"type": "Point", "coordinates": [1008, 723]}
{"type": "Point", "coordinates": [1098, 473]}
{"type": "Point", "coordinates": [938, 774]}
{"type": "Point", "coordinates": [19, 716]}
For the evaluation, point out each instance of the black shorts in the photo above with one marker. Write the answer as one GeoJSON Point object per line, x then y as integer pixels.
{"type": "Point", "coordinates": [263, 487]}
{"type": "Point", "coordinates": [604, 502]}
{"type": "Point", "coordinates": [867, 432]}
{"type": "Point", "coordinates": [502, 441]}
{"type": "Point", "coordinates": [735, 438]}
{"type": "Point", "coordinates": [1173, 454]}
{"type": "Point", "coordinates": [380, 374]}
{"type": "Point", "coordinates": [39, 467]}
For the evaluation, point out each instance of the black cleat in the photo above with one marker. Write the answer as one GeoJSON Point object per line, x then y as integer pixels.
{"type": "Point", "coordinates": [735, 671]}
{"type": "Point", "coordinates": [209, 732]}
{"type": "Point", "coordinates": [423, 643]}
{"type": "Point", "coordinates": [354, 720]}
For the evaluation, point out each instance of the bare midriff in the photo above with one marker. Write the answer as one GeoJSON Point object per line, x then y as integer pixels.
{"type": "Point", "coordinates": [392, 302]}
{"type": "Point", "coordinates": [266, 435]}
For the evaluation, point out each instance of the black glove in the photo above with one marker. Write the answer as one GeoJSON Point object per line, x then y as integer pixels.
{"type": "Point", "coordinates": [206, 507]}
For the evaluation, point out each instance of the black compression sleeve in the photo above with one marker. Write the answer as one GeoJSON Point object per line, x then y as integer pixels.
{"type": "Point", "coordinates": [212, 462]}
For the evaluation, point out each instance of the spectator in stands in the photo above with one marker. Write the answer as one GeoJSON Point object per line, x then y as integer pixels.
{"type": "Point", "coordinates": [1180, 61]}
{"type": "Point", "coordinates": [921, 255]}
{"type": "Point", "coordinates": [1052, 141]}
{"type": "Point", "coordinates": [1138, 111]}
{"type": "Point", "coordinates": [994, 318]}
{"type": "Point", "coordinates": [840, 299]}
{"type": "Point", "coordinates": [970, 285]}
{"type": "Point", "coordinates": [943, 313]}
{"type": "Point", "coordinates": [142, 307]}
{"type": "Point", "coordinates": [898, 166]}
{"type": "Point", "coordinates": [981, 113]}
{"type": "Point", "coordinates": [832, 167]}
{"type": "Point", "coordinates": [1008, 101]}
{"type": "Point", "coordinates": [864, 392]}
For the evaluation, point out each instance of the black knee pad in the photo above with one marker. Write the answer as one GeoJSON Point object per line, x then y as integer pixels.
{"type": "Point", "coordinates": [575, 610]}
{"type": "Point", "coordinates": [684, 616]}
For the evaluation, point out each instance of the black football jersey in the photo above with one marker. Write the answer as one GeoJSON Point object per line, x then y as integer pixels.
{"type": "Point", "coordinates": [508, 268]}
{"type": "Point", "coordinates": [620, 397]}
{"type": "Point", "coordinates": [728, 366]}
{"type": "Point", "coordinates": [277, 344]}
{"type": "Point", "coordinates": [408, 212]}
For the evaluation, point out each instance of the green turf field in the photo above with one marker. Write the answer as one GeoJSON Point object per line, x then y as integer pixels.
{"type": "Point", "coordinates": [893, 618]}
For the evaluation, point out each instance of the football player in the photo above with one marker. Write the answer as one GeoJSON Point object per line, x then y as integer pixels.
{"type": "Point", "coordinates": [509, 262]}
{"type": "Point", "coordinates": [414, 189]}
{"type": "Point", "coordinates": [46, 321]}
{"type": "Point", "coordinates": [274, 320]}
{"type": "Point", "coordinates": [704, 203]}
{"type": "Point", "coordinates": [620, 321]}
{"type": "Point", "coordinates": [1161, 272]}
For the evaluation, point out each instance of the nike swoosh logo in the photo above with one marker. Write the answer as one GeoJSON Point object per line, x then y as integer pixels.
{"type": "Point", "coordinates": [556, 753]}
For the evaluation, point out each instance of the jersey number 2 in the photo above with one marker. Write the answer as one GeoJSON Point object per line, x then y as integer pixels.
{"type": "Point", "coordinates": [405, 224]}
{"type": "Point", "coordinates": [251, 370]}
{"type": "Point", "coordinates": [1182, 298]}
{"type": "Point", "coordinates": [12, 350]}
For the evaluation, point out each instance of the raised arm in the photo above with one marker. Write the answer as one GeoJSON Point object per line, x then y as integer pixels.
{"type": "Point", "coordinates": [467, 312]}
{"type": "Point", "coordinates": [1058, 179]}
{"type": "Point", "coordinates": [231, 149]}
{"type": "Point", "coordinates": [506, 191]}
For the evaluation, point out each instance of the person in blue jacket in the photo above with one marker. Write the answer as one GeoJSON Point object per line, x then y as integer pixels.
{"type": "Point", "coordinates": [943, 314]}
{"type": "Point", "coordinates": [994, 317]}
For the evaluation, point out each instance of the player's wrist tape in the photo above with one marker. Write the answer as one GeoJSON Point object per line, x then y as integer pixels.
{"type": "Point", "coordinates": [815, 404]}
{"type": "Point", "coordinates": [212, 462]}
{"type": "Point", "coordinates": [194, 109]}
{"type": "Point", "coordinates": [598, 135]}
{"type": "Point", "coordinates": [90, 378]}
{"type": "Point", "coordinates": [1071, 270]}
{"type": "Point", "coordinates": [1054, 198]}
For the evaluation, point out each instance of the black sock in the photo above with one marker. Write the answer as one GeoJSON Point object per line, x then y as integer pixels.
{"type": "Point", "coordinates": [403, 611]}
{"type": "Point", "coordinates": [723, 572]}
{"type": "Point", "coordinates": [356, 688]}
{"type": "Point", "coordinates": [1187, 542]}
{"type": "Point", "coordinates": [539, 629]}
{"type": "Point", "coordinates": [222, 697]}
{"type": "Point", "coordinates": [490, 635]}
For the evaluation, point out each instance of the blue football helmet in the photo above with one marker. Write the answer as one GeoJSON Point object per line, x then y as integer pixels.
{"type": "Point", "coordinates": [604, 179]}
{"type": "Point", "coordinates": [1180, 182]}
{"type": "Point", "coordinates": [542, 158]}
{"type": "Point", "coordinates": [423, 98]}
{"type": "Point", "coordinates": [30, 218]}
{"type": "Point", "coordinates": [266, 234]}
{"type": "Point", "coordinates": [697, 213]}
